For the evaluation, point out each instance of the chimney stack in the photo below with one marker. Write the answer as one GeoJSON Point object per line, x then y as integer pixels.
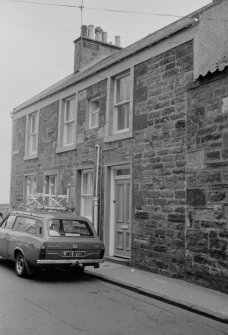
{"type": "Point", "coordinates": [84, 31]}
{"type": "Point", "coordinates": [98, 34]}
{"type": "Point", "coordinates": [91, 32]}
{"type": "Point", "coordinates": [117, 41]}
{"type": "Point", "coordinates": [104, 37]}
{"type": "Point", "coordinates": [95, 46]}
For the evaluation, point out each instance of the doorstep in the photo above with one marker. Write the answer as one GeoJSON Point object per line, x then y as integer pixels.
{"type": "Point", "coordinates": [118, 260]}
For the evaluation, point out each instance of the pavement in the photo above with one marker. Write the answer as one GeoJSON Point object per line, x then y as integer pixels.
{"type": "Point", "coordinates": [197, 299]}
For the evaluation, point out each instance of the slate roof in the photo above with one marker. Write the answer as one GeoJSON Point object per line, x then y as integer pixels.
{"type": "Point", "coordinates": [134, 48]}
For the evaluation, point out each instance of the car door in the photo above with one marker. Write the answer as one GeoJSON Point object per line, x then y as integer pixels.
{"type": "Point", "coordinates": [24, 236]}
{"type": "Point", "coordinates": [5, 230]}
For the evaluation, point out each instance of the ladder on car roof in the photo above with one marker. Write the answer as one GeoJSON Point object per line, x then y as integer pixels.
{"type": "Point", "coordinates": [48, 201]}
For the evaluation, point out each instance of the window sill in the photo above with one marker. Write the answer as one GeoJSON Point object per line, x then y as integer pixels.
{"type": "Point", "coordinates": [93, 128]}
{"type": "Point", "coordinates": [33, 156]}
{"type": "Point", "coordinates": [67, 148]}
{"type": "Point", "coordinates": [117, 137]}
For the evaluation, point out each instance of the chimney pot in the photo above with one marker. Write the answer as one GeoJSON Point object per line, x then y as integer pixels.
{"type": "Point", "coordinates": [104, 37]}
{"type": "Point", "coordinates": [84, 31]}
{"type": "Point", "coordinates": [98, 34]}
{"type": "Point", "coordinates": [91, 32]}
{"type": "Point", "coordinates": [117, 41]}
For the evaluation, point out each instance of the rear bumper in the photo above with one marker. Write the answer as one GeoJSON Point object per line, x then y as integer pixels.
{"type": "Point", "coordinates": [73, 262]}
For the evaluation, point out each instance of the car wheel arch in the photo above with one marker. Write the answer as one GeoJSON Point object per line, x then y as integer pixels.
{"type": "Point", "coordinates": [17, 251]}
{"type": "Point", "coordinates": [27, 266]}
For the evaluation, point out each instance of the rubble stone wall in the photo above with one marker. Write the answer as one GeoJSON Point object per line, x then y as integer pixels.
{"type": "Point", "coordinates": [159, 161]}
{"type": "Point", "coordinates": [207, 182]}
{"type": "Point", "coordinates": [47, 159]}
{"type": "Point", "coordinates": [179, 159]}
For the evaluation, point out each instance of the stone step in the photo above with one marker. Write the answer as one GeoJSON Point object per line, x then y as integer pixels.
{"type": "Point", "coordinates": [118, 260]}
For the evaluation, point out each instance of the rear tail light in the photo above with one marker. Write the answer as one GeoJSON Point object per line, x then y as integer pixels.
{"type": "Point", "coordinates": [102, 252]}
{"type": "Point", "coordinates": [42, 252]}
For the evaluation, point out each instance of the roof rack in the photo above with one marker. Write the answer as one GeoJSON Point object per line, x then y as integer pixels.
{"type": "Point", "coordinates": [26, 212]}
{"type": "Point", "coordinates": [46, 202]}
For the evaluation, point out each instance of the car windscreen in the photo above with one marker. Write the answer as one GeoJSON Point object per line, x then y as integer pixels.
{"type": "Point", "coordinates": [61, 227]}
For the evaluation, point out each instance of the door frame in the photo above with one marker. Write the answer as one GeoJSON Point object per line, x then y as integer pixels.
{"type": "Point", "coordinates": [109, 206]}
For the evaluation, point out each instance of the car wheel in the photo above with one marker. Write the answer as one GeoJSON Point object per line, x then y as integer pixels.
{"type": "Point", "coordinates": [20, 265]}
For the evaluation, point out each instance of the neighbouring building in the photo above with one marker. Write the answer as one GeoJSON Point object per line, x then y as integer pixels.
{"type": "Point", "coordinates": [136, 139]}
{"type": "Point", "coordinates": [4, 209]}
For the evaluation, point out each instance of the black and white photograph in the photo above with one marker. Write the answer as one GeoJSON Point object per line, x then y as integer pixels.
{"type": "Point", "coordinates": [114, 167]}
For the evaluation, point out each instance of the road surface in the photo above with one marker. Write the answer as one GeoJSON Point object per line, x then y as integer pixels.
{"type": "Point", "coordinates": [56, 303]}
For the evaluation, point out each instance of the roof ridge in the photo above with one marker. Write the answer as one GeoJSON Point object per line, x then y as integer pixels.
{"type": "Point", "coordinates": [152, 38]}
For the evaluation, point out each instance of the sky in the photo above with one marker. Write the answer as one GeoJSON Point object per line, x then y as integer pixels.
{"type": "Point", "coordinates": [37, 50]}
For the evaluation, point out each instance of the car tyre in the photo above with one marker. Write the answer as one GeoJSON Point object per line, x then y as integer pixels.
{"type": "Point", "coordinates": [20, 265]}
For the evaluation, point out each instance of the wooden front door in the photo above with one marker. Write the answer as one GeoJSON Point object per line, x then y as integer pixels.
{"type": "Point", "coordinates": [122, 242]}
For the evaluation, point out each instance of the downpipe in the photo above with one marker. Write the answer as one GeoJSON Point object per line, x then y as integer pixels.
{"type": "Point", "coordinates": [96, 199]}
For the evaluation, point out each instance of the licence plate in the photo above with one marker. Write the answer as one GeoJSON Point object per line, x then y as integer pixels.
{"type": "Point", "coordinates": [74, 253]}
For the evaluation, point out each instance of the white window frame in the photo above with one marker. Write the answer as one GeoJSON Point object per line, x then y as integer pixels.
{"type": "Point", "coordinates": [93, 112]}
{"type": "Point", "coordinates": [110, 132]}
{"type": "Point", "coordinates": [85, 196]}
{"type": "Point", "coordinates": [51, 188]}
{"type": "Point", "coordinates": [30, 179]}
{"type": "Point", "coordinates": [121, 103]}
{"type": "Point", "coordinates": [32, 135]}
{"type": "Point", "coordinates": [68, 123]}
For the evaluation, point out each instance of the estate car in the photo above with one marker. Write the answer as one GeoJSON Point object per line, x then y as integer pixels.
{"type": "Point", "coordinates": [38, 240]}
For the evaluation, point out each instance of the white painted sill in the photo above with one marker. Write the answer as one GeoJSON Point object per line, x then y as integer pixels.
{"type": "Point", "coordinates": [65, 149]}
{"type": "Point", "coordinates": [33, 156]}
{"type": "Point", "coordinates": [119, 136]}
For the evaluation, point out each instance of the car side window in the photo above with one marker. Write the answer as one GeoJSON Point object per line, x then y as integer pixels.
{"type": "Point", "coordinates": [9, 222]}
{"type": "Point", "coordinates": [25, 224]}
{"type": "Point", "coordinates": [3, 223]}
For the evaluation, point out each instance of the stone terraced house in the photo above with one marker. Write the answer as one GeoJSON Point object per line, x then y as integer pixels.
{"type": "Point", "coordinates": [136, 139]}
